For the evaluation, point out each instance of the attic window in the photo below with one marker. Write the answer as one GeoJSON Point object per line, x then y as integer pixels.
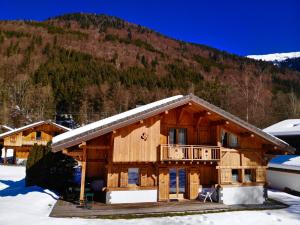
{"type": "Point", "coordinates": [38, 135]}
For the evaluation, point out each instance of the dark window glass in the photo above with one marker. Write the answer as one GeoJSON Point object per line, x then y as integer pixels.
{"type": "Point", "coordinates": [182, 136]}
{"type": "Point", "coordinates": [172, 136]}
{"type": "Point", "coordinates": [38, 135]}
{"type": "Point", "coordinates": [133, 176]}
{"type": "Point", "coordinates": [173, 181]}
{"type": "Point", "coordinates": [235, 176]}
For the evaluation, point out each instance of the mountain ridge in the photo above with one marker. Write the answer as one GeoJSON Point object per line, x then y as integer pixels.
{"type": "Point", "coordinates": [92, 66]}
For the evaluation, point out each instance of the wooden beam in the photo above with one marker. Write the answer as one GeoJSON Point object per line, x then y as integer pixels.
{"type": "Point", "coordinates": [82, 144]}
{"type": "Point", "coordinates": [83, 172]}
{"type": "Point", "coordinates": [5, 156]}
{"type": "Point", "coordinates": [247, 134]}
{"type": "Point", "coordinates": [219, 122]}
{"type": "Point", "coordinates": [179, 113]}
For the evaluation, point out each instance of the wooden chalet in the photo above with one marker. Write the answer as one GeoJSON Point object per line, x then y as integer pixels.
{"type": "Point", "coordinates": [173, 149]}
{"type": "Point", "coordinates": [22, 139]}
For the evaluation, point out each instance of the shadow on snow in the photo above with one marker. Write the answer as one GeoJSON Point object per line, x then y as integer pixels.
{"type": "Point", "coordinates": [18, 187]}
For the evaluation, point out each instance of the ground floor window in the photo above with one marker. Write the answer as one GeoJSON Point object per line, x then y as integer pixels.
{"type": "Point", "coordinates": [249, 175]}
{"type": "Point", "coordinates": [133, 176]}
{"type": "Point", "coordinates": [234, 175]}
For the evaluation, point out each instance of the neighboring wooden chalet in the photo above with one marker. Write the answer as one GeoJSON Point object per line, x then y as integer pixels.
{"type": "Point", "coordinates": [22, 139]}
{"type": "Point", "coordinates": [172, 149]}
{"type": "Point", "coordinates": [288, 131]}
{"type": "Point", "coordinates": [284, 173]}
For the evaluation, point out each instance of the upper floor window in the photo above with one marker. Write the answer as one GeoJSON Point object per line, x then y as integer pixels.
{"type": "Point", "coordinates": [133, 176]}
{"type": "Point", "coordinates": [38, 135]}
{"type": "Point", "coordinates": [178, 136]}
{"type": "Point", "coordinates": [229, 139]}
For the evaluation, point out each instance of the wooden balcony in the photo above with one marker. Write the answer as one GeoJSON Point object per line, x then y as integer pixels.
{"type": "Point", "coordinates": [189, 153]}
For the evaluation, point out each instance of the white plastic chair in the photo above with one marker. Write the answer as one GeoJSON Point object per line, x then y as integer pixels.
{"type": "Point", "coordinates": [207, 194]}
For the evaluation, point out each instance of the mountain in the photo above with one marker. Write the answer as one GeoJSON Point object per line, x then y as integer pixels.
{"type": "Point", "coordinates": [283, 60]}
{"type": "Point", "coordinates": [92, 66]}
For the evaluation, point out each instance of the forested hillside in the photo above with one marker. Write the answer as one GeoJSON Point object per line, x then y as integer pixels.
{"type": "Point", "coordinates": [93, 66]}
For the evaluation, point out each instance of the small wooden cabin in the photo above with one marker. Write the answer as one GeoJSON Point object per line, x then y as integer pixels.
{"type": "Point", "coordinates": [172, 149]}
{"type": "Point", "coordinates": [22, 139]}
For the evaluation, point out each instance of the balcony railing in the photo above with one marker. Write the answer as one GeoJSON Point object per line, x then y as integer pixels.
{"type": "Point", "coordinates": [189, 152]}
{"type": "Point", "coordinates": [32, 142]}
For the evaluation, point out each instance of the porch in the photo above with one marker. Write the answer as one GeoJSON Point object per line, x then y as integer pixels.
{"type": "Point", "coordinates": [156, 209]}
{"type": "Point", "coordinates": [102, 210]}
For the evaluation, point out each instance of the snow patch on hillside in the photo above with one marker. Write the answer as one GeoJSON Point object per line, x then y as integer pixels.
{"type": "Point", "coordinates": [278, 57]}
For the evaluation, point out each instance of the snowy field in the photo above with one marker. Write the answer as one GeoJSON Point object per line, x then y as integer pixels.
{"type": "Point", "coordinates": [31, 206]}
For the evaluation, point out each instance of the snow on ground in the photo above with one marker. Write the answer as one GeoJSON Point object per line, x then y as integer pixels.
{"type": "Point", "coordinates": [32, 205]}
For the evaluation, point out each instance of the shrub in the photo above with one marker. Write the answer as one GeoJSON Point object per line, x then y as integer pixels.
{"type": "Point", "coordinates": [49, 170]}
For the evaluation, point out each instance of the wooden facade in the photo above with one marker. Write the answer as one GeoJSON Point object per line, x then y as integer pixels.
{"type": "Point", "coordinates": [176, 152]}
{"type": "Point", "coordinates": [22, 139]}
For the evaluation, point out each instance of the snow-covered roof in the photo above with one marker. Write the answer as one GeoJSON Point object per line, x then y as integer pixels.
{"type": "Point", "coordinates": [291, 162]}
{"type": "Point", "coordinates": [6, 127]}
{"type": "Point", "coordinates": [275, 56]}
{"type": "Point", "coordinates": [17, 130]}
{"type": "Point", "coordinates": [285, 128]}
{"type": "Point", "coordinates": [110, 124]}
{"type": "Point", "coordinates": [112, 119]}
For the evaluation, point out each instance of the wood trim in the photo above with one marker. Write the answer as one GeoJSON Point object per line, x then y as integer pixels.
{"type": "Point", "coordinates": [243, 184]}
{"type": "Point", "coordinates": [131, 188]}
{"type": "Point", "coordinates": [241, 167]}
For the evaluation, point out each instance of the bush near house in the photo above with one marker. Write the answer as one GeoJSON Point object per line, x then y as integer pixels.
{"type": "Point", "coordinates": [49, 170]}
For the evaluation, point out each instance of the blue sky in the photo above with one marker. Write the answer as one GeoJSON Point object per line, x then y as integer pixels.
{"type": "Point", "coordinates": [241, 26]}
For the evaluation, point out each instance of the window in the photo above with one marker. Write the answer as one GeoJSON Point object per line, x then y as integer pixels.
{"type": "Point", "coordinates": [133, 176]}
{"type": "Point", "coordinates": [38, 135]}
{"type": "Point", "coordinates": [229, 139]}
{"type": "Point", "coordinates": [178, 136]}
{"type": "Point", "coordinates": [234, 175]}
{"type": "Point", "coordinates": [248, 177]}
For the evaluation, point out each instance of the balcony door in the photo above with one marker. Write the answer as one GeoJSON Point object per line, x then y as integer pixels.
{"type": "Point", "coordinates": [177, 185]}
{"type": "Point", "coordinates": [178, 136]}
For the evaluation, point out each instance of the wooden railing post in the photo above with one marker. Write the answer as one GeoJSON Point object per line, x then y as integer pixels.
{"type": "Point", "coordinates": [83, 172]}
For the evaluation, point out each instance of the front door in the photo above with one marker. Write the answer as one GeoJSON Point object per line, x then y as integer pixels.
{"type": "Point", "coordinates": [177, 185]}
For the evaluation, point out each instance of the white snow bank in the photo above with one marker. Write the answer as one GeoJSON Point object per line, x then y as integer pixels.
{"type": "Point", "coordinates": [112, 119]}
{"type": "Point", "coordinates": [275, 56]}
{"type": "Point", "coordinates": [285, 127]}
{"type": "Point", "coordinates": [286, 162]}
